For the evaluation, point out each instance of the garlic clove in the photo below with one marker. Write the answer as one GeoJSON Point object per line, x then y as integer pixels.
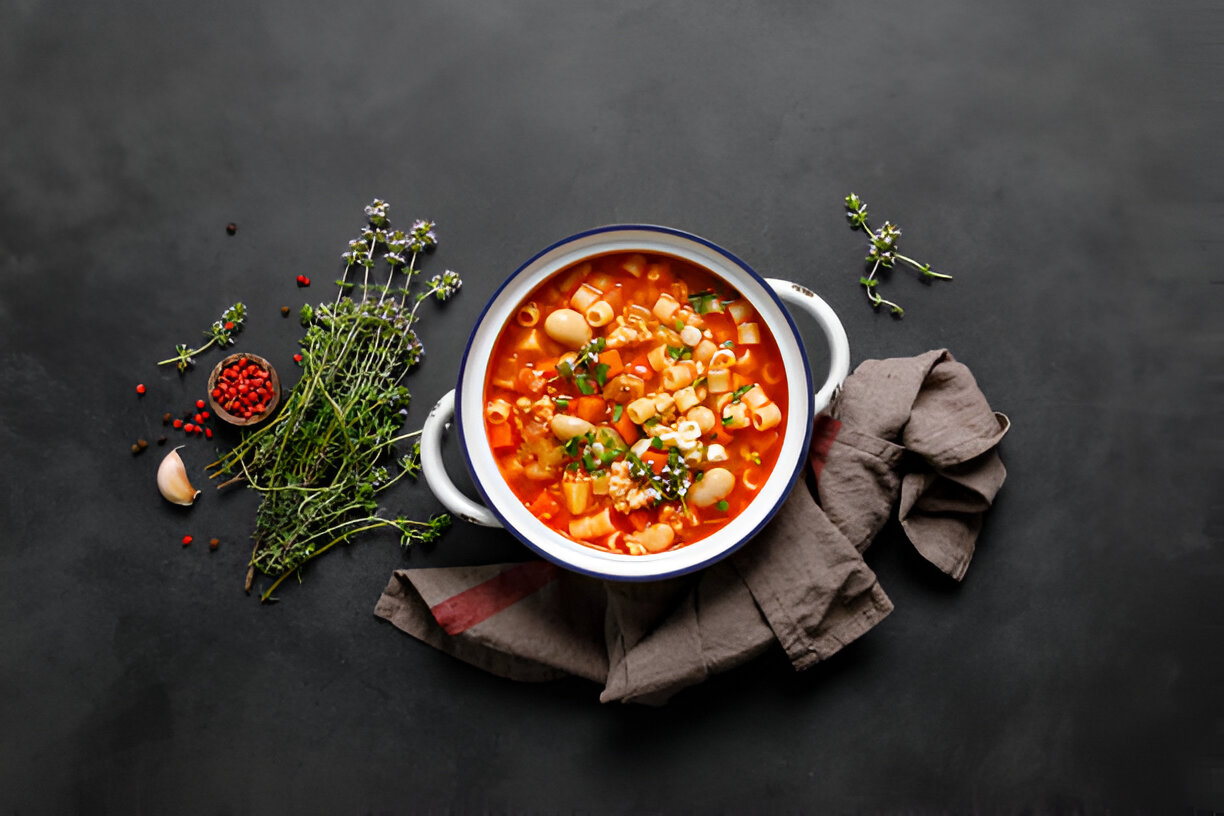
{"type": "Point", "coordinates": [172, 480]}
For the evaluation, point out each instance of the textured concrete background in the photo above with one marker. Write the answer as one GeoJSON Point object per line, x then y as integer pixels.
{"type": "Point", "coordinates": [1061, 160]}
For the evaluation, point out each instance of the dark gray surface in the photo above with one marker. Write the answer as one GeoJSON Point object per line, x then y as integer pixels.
{"type": "Point", "coordinates": [1060, 159]}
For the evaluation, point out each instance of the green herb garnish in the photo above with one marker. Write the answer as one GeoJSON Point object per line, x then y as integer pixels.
{"type": "Point", "coordinates": [705, 302]}
{"type": "Point", "coordinates": [220, 334]}
{"type": "Point", "coordinates": [617, 410]}
{"type": "Point", "coordinates": [319, 463]}
{"type": "Point", "coordinates": [573, 445]}
{"type": "Point", "coordinates": [882, 252]}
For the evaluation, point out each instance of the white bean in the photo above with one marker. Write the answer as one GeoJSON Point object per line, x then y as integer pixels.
{"type": "Point", "coordinates": [703, 416]}
{"type": "Point", "coordinates": [568, 328]}
{"type": "Point", "coordinates": [657, 537]}
{"type": "Point", "coordinates": [714, 486]}
{"type": "Point", "coordinates": [566, 426]}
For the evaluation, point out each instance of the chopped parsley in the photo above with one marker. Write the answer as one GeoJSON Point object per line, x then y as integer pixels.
{"type": "Point", "coordinates": [741, 391]}
{"type": "Point", "coordinates": [617, 410]}
{"type": "Point", "coordinates": [705, 302]}
{"type": "Point", "coordinates": [586, 364]}
{"type": "Point", "coordinates": [671, 485]}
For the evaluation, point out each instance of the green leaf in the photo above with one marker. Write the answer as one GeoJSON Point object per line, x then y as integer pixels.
{"type": "Point", "coordinates": [617, 411]}
{"type": "Point", "coordinates": [704, 302]}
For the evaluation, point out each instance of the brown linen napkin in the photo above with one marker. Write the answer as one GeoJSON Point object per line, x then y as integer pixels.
{"type": "Point", "coordinates": [930, 407]}
{"type": "Point", "coordinates": [801, 582]}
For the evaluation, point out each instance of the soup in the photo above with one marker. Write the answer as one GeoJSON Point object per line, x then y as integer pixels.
{"type": "Point", "coordinates": [635, 403]}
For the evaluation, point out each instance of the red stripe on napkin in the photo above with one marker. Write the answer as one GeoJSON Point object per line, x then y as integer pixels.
{"type": "Point", "coordinates": [824, 431]}
{"type": "Point", "coordinates": [459, 613]}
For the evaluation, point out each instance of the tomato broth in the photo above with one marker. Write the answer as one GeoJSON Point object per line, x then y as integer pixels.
{"type": "Point", "coordinates": [635, 403]}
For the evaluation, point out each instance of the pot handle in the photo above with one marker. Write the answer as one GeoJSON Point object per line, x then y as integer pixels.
{"type": "Point", "coordinates": [437, 478]}
{"type": "Point", "coordinates": [834, 332]}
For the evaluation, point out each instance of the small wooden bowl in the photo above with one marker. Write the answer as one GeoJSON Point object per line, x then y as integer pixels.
{"type": "Point", "coordinates": [269, 405]}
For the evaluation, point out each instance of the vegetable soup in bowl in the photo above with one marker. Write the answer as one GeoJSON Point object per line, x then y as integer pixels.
{"type": "Point", "coordinates": [634, 403]}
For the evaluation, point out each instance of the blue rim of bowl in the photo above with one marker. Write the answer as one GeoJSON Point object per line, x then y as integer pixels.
{"type": "Point", "coordinates": [719, 556]}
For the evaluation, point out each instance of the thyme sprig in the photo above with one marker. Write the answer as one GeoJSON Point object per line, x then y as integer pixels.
{"type": "Point", "coordinates": [220, 333]}
{"type": "Point", "coordinates": [882, 252]}
{"type": "Point", "coordinates": [323, 463]}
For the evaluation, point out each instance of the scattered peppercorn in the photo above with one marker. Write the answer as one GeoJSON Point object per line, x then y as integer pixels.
{"type": "Point", "coordinates": [189, 428]}
{"type": "Point", "coordinates": [213, 543]}
{"type": "Point", "coordinates": [178, 423]}
{"type": "Point", "coordinates": [200, 403]}
{"type": "Point", "coordinates": [231, 228]}
{"type": "Point", "coordinates": [187, 540]}
{"type": "Point", "coordinates": [161, 440]}
{"type": "Point", "coordinates": [302, 280]}
{"type": "Point", "coordinates": [166, 418]}
{"type": "Point", "coordinates": [208, 433]}
{"type": "Point", "coordinates": [140, 389]}
{"type": "Point", "coordinates": [284, 311]}
{"type": "Point", "coordinates": [297, 358]}
{"type": "Point", "coordinates": [136, 449]}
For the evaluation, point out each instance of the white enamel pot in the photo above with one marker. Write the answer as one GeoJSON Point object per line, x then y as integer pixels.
{"type": "Point", "coordinates": [465, 405]}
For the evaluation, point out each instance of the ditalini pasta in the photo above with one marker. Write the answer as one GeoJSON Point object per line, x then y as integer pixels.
{"type": "Point", "coordinates": [635, 403]}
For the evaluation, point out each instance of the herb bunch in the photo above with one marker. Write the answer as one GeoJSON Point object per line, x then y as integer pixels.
{"type": "Point", "coordinates": [323, 462]}
{"type": "Point", "coordinates": [882, 252]}
{"type": "Point", "coordinates": [220, 333]}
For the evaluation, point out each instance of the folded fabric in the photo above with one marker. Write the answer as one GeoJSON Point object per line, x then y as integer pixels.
{"type": "Point", "coordinates": [913, 435]}
{"type": "Point", "coordinates": [917, 436]}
